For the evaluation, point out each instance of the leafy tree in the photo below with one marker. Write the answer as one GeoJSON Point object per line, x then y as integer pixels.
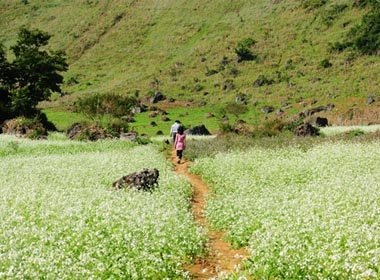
{"type": "Point", "coordinates": [98, 106]}
{"type": "Point", "coordinates": [5, 76]}
{"type": "Point", "coordinates": [33, 75]}
{"type": "Point", "coordinates": [366, 36]}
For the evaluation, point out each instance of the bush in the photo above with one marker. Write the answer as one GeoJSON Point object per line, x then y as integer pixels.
{"type": "Point", "coordinates": [99, 105]}
{"type": "Point", "coordinates": [115, 127]}
{"type": "Point", "coordinates": [225, 127]}
{"type": "Point", "coordinates": [366, 36]}
{"type": "Point", "coordinates": [269, 128]}
{"type": "Point", "coordinates": [326, 63]}
{"type": "Point", "coordinates": [243, 50]}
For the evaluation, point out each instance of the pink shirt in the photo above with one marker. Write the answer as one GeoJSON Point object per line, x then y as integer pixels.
{"type": "Point", "coordinates": [180, 142]}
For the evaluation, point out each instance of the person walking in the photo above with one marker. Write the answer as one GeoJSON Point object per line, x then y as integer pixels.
{"type": "Point", "coordinates": [174, 129]}
{"type": "Point", "coordinates": [180, 143]}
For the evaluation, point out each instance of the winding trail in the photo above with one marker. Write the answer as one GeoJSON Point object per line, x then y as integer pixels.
{"type": "Point", "coordinates": [222, 258]}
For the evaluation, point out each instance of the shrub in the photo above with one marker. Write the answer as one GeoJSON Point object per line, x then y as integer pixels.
{"type": "Point", "coordinates": [313, 4]}
{"type": "Point", "coordinates": [366, 36]}
{"type": "Point", "coordinates": [243, 50]}
{"type": "Point", "coordinates": [225, 127]}
{"type": "Point", "coordinates": [325, 63]}
{"type": "Point", "coordinates": [115, 126]}
{"type": "Point", "coordinates": [236, 109]}
{"type": "Point", "coordinates": [269, 128]}
{"type": "Point", "coordinates": [99, 105]}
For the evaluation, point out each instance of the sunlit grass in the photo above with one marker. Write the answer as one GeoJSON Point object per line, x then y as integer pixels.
{"type": "Point", "coordinates": [334, 130]}
{"type": "Point", "coordinates": [303, 213]}
{"type": "Point", "coordinates": [60, 218]}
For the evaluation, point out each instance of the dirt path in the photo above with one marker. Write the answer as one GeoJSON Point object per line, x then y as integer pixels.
{"type": "Point", "coordinates": [222, 258]}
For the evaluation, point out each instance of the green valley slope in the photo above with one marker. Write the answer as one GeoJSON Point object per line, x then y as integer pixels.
{"type": "Point", "coordinates": [185, 49]}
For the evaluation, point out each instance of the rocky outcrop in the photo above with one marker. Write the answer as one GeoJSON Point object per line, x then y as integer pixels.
{"type": "Point", "coordinates": [145, 180]}
{"type": "Point", "coordinates": [197, 130]}
{"type": "Point", "coordinates": [80, 131]}
{"type": "Point", "coordinates": [306, 129]}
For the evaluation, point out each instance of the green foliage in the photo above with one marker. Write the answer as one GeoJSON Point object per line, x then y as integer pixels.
{"type": "Point", "coordinates": [243, 49]}
{"type": "Point", "coordinates": [97, 106]}
{"type": "Point", "coordinates": [339, 46]}
{"type": "Point", "coordinates": [330, 15]}
{"type": "Point", "coordinates": [364, 3]}
{"type": "Point", "coordinates": [325, 63]}
{"type": "Point", "coordinates": [313, 4]}
{"type": "Point", "coordinates": [119, 50]}
{"type": "Point", "coordinates": [269, 128]}
{"type": "Point", "coordinates": [143, 140]}
{"type": "Point", "coordinates": [366, 36]}
{"type": "Point", "coordinates": [236, 109]}
{"type": "Point", "coordinates": [355, 133]}
{"type": "Point", "coordinates": [291, 126]}
{"type": "Point", "coordinates": [225, 127]}
{"type": "Point", "coordinates": [33, 74]}
{"type": "Point", "coordinates": [115, 126]}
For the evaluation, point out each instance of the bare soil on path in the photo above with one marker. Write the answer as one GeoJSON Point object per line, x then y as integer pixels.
{"type": "Point", "coordinates": [222, 258]}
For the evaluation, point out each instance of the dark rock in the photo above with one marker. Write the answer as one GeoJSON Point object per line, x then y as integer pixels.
{"type": "Point", "coordinates": [306, 129]}
{"type": "Point", "coordinates": [197, 130]}
{"type": "Point", "coordinates": [267, 109]}
{"type": "Point", "coordinates": [370, 100]}
{"type": "Point", "coordinates": [158, 96]}
{"type": "Point", "coordinates": [92, 133]}
{"type": "Point", "coordinates": [319, 121]}
{"type": "Point", "coordinates": [146, 180]}
{"type": "Point", "coordinates": [20, 128]}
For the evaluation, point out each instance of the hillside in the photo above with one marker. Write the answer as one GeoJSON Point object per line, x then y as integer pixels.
{"type": "Point", "coordinates": [186, 50]}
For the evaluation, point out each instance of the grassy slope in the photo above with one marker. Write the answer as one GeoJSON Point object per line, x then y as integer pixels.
{"type": "Point", "coordinates": [124, 46]}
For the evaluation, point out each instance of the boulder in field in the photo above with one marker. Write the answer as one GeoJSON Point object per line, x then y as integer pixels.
{"type": "Point", "coordinates": [146, 180]}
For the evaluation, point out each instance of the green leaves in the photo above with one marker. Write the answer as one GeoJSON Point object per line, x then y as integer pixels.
{"type": "Point", "coordinates": [33, 74]}
{"type": "Point", "coordinates": [243, 49]}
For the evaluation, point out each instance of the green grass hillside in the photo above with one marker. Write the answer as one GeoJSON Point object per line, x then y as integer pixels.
{"type": "Point", "coordinates": [186, 50]}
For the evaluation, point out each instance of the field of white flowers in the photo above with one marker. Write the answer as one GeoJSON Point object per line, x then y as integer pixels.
{"type": "Point", "coordinates": [60, 219]}
{"type": "Point", "coordinates": [303, 213]}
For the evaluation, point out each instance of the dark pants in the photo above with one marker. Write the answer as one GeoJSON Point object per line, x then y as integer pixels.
{"type": "Point", "coordinates": [179, 154]}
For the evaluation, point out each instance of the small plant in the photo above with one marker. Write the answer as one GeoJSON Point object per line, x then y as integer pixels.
{"type": "Point", "coordinates": [116, 126]}
{"type": "Point", "coordinates": [355, 133]}
{"type": "Point", "coordinates": [225, 127]}
{"type": "Point", "coordinates": [243, 50]}
{"type": "Point", "coordinates": [325, 63]}
{"type": "Point", "coordinates": [236, 109]}
{"type": "Point", "coordinates": [269, 128]}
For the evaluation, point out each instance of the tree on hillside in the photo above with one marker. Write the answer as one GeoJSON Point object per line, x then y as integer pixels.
{"type": "Point", "coordinates": [243, 49]}
{"type": "Point", "coordinates": [366, 36]}
{"type": "Point", "coordinates": [98, 106]}
{"type": "Point", "coordinates": [32, 76]}
{"type": "Point", "coordinates": [5, 76]}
